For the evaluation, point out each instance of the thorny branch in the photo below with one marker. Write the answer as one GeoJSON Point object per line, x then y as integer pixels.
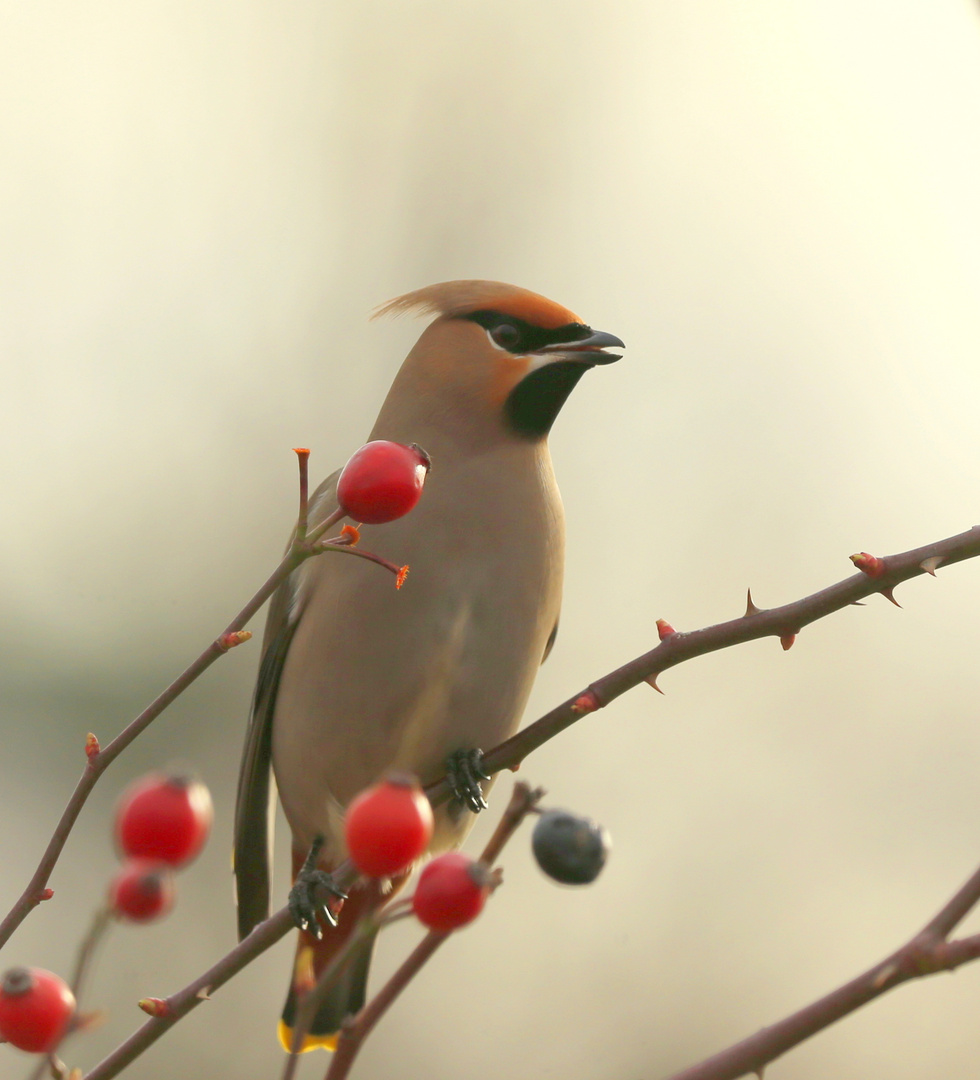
{"type": "Point", "coordinates": [304, 545]}
{"type": "Point", "coordinates": [676, 647]}
{"type": "Point", "coordinates": [169, 1010]}
{"type": "Point", "coordinates": [781, 622]}
{"type": "Point", "coordinates": [927, 953]}
{"type": "Point", "coordinates": [352, 1035]}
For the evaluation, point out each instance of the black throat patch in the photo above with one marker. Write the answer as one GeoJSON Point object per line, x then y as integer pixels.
{"type": "Point", "coordinates": [534, 403]}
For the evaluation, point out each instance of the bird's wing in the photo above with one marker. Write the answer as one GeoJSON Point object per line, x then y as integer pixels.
{"type": "Point", "coordinates": [550, 643]}
{"type": "Point", "coordinates": [255, 803]}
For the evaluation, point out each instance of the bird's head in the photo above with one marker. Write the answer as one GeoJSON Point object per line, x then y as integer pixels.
{"type": "Point", "coordinates": [497, 354]}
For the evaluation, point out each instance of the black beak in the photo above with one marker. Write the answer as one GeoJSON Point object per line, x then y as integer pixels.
{"type": "Point", "coordinates": [587, 350]}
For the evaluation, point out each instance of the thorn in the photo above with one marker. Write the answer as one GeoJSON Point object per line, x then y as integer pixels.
{"type": "Point", "coordinates": [154, 1006]}
{"type": "Point", "coordinates": [91, 746]}
{"type": "Point", "coordinates": [887, 594]}
{"type": "Point", "coordinates": [400, 578]}
{"type": "Point", "coordinates": [664, 629]}
{"type": "Point", "coordinates": [651, 680]}
{"type": "Point", "coordinates": [44, 894]}
{"type": "Point", "coordinates": [868, 564]}
{"type": "Point", "coordinates": [88, 1021]}
{"type": "Point", "coordinates": [760, 1072]}
{"type": "Point", "coordinates": [516, 766]}
{"type": "Point", "coordinates": [858, 603]}
{"type": "Point", "coordinates": [204, 994]}
{"type": "Point", "coordinates": [350, 534]}
{"type": "Point", "coordinates": [786, 640]}
{"type": "Point", "coordinates": [750, 608]}
{"type": "Point", "coordinates": [585, 703]}
{"type": "Point", "coordinates": [236, 637]}
{"type": "Point", "coordinates": [932, 564]}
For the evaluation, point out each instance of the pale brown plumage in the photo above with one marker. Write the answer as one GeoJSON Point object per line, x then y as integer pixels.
{"type": "Point", "coordinates": [357, 678]}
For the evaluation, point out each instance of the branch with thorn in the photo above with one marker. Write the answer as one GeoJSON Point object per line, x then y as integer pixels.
{"type": "Point", "coordinates": [675, 647]}
{"type": "Point", "coordinates": [928, 952]}
{"type": "Point", "coordinates": [305, 544]}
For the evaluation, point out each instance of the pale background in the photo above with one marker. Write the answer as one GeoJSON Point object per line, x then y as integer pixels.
{"type": "Point", "coordinates": [777, 206]}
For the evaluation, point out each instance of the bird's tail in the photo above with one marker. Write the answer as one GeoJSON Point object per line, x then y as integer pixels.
{"type": "Point", "coordinates": [312, 957]}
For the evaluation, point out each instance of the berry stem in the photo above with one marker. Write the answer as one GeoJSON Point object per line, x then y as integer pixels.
{"type": "Point", "coordinates": [367, 928]}
{"type": "Point", "coordinates": [300, 549]}
{"type": "Point", "coordinates": [302, 518]}
{"type": "Point", "coordinates": [86, 950]}
{"type": "Point", "coordinates": [352, 1035]}
{"type": "Point", "coordinates": [101, 921]}
{"type": "Point", "coordinates": [344, 547]}
{"type": "Point", "coordinates": [263, 937]}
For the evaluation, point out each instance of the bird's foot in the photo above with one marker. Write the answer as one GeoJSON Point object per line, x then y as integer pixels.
{"type": "Point", "coordinates": [464, 771]}
{"type": "Point", "coordinates": [305, 905]}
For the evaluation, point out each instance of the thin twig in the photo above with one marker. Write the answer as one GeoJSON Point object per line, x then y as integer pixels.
{"type": "Point", "coordinates": [263, 937]}
{"type": "Point", "coordinates": [366, 928]}
{"type": "Point", "coordinates": [101, 759]}
{"type": "Point", "coordinates": [927, 953]}
{"type": "Point", "coordinates": [302, 518]}
{"type": "Point", "coordinates": [328, 523]}
{"type": "Point", "coordinates": [83, 963]}
{"type": "Point", "coordinates": [675, 649]}
{"type": "Point", "coordinates": [86, 951]}
{"type": "Point", "coordinates": [353, 1033]}
{"type": "Point", "coordinates": [348, 549]}
{"type": "Point", "coordinates": [779, 622]}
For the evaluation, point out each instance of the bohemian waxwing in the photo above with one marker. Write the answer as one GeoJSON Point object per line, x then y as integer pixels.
{"type": "Point", "coordinates": [357, 678]}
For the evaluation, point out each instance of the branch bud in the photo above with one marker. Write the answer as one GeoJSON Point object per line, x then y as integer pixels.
{"type": "Point", "coordinates": [154, 1006]}
{"type": "Point", "coordinates": [585, 703]}
{"type": "Point", "coordinates": [869, 564]}
{"type": "Point", "coordinates": [236, 637]}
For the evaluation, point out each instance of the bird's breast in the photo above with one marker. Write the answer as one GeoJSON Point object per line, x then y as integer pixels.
{"type": "Point", "coordinates": [378, 678]}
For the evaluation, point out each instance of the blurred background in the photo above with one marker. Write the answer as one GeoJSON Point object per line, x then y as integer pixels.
{"type": "Point", "coordinates": [777, 206]}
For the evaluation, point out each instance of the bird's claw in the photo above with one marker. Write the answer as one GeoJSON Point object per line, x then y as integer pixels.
{"type": "Point", "coordinates": [464, 770]}
{"type": "Point", "coordinates": [305, 907]}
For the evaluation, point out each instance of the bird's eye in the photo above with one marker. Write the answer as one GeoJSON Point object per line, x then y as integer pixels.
{"type": "Point", "coordinates": [505, 335]}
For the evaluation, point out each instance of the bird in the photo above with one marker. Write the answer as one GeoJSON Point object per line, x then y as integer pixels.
{"type": "Point", "coordinates": [357, 679]}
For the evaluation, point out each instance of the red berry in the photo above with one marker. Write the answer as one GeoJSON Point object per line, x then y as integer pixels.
{"type": "Point", "coordinates": [451, 891]}
{"type": "Point", "coordinates": [35, 1009]}
{"type": "Point", "coordinates": [142, 890]}
{"type": "Point", "coordinates": [388, 826]}
{"type": "Point", "coordinates": [164, 817]}
{"type": "Point", "coordinates": [382, 481]}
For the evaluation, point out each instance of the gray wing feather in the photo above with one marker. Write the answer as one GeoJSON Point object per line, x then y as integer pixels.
{"type": "Point", "coordinates": [550, 643]}
{"type": "Point", "coordinates": [254, 805]}
{"type": "Point", "coordinates": [256, 787]}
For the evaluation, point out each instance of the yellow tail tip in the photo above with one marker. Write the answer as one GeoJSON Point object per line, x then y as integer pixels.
{"type": "Point", "coordinates": [310, 1042]}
